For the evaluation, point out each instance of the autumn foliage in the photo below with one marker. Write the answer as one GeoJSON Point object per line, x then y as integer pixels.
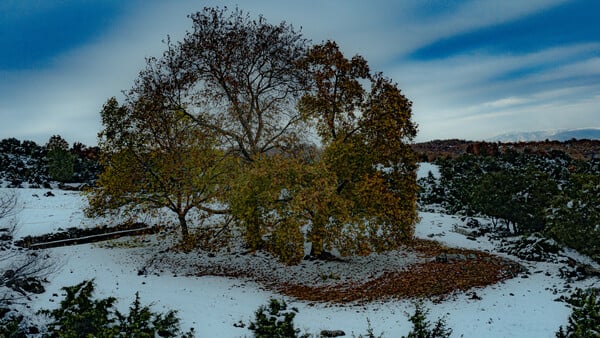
{"type": "Point", "coordinates": [228, 117]}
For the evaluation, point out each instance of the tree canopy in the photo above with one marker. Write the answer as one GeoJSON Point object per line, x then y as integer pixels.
{"type": "Point", "coordinates": [298, 143]}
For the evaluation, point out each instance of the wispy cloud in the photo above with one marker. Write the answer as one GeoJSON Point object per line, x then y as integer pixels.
{"type": "Point", "coordinates": [472, 93]}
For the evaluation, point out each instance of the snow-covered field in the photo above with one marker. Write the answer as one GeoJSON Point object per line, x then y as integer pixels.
{"type": "Point", "coordinates": [519, 307]}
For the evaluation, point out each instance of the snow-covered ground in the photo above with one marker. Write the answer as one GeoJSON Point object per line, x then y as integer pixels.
{"type": "Point", "coordinates": [519, 307]}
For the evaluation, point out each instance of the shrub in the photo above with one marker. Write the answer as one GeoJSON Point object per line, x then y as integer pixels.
{"type": "Point", "coordinates": [11, 326]}
{"type": "Point", "coordinates": [585, 318]}
{"type": "Point", "coordinates": [370, 333]}
{"type": "Point", "coordinates": [422, 327]}
{"type": "Point", "coordinates": [574, 216]}
{"type": "Point", "coordinates": [81, 316]}
{"type": "Point", "coordinates": [276, 321]}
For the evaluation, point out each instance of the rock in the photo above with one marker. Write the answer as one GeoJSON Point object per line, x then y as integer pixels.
{"type": "Point", "coordinates": [49, 194]}
{"type": "Point", "coordinates": [473, 223]}
{"type": "Point", "coordinates": [590, 270]}
{"type": "Point", "coordinates": [446, 257]}
{"type": "Point", "coordinates": [27, 285]}
{"type": "Point", "coordinates": [332, 333]}
{"type": "Point", "coordinates": [9, 274]}
{"type": "Point", "coordinates": [475, 296]}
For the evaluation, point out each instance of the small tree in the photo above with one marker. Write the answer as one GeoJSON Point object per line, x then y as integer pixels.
{"type": "Point", "coordinates": [574, 216]}
{"type": "Point", "coordinates": [585, 319]}
{"type": "Point", "coordinates": [422, 327]}
{"type": "Point", "coordinates": [275, 321]}
{"type": "Point", "coordinates": [60, 161]}
{"type": "Point", "coordinates": [155, 158]}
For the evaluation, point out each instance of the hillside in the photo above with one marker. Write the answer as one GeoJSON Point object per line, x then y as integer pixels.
{"type": "Point", "coordinates": [552, 135]}
{"type": "Point", "coordinates": [584, 149]}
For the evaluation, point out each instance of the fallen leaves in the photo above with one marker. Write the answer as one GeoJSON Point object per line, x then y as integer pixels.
{"type": "Point", "coordinates": [426, 280]}
{"type": "Point", "coordinates": [430, 277]}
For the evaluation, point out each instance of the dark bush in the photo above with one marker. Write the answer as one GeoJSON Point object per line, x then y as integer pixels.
{"type": "Point", "coordinates": [585, 319]}
{"type": "Point", "coordinates": [423, 328]}
{"type": "Point", "coordinates": [81, 316]}
{"type": "Point", "coordinates": [275, 321]}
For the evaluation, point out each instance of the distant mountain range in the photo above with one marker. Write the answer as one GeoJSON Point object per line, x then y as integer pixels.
{"type": "Point", "coordinates": [552, 135]}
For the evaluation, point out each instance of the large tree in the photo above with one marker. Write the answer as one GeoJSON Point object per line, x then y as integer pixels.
{"type": "Point", "coordinates": [246, 93]}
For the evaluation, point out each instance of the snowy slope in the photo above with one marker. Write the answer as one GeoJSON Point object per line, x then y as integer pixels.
{"type": "Point", "coordinates": [520, 307]}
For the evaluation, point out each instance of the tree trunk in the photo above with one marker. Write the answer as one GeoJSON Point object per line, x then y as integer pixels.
{"type": "Point", "coordinates": [184, 227]}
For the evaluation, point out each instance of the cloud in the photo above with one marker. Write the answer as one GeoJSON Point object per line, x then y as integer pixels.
{"type": "Point", "coordinates": [470, 96]}
{"type": "Point", "coordinates": [466, 94]}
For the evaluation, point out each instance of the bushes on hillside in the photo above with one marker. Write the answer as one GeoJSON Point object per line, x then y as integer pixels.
{"type": "Point", "coordinates": [27, 162]}
{"type": "Point", "coordinates": [525, 193]}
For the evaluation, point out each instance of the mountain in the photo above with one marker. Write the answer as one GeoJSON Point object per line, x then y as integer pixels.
{"type": "Point", "coordinates": [553, 135]}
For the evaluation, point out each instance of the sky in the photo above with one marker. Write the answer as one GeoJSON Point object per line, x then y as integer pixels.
{"type": "Point", "coordinates": [473, 68]}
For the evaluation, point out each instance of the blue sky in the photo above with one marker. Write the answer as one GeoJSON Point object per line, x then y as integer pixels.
{"type": "Point", "coordinates": [474, 69]}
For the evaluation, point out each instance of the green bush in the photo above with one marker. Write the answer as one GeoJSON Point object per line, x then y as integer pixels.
{"type": "Point", "coordinates": [81, 316]}
{"type": "Point", "coordinates": [422, 327]}
{"type": "Point", "coordinates": [11, 327]}
{"type": "Point", "coordinates": [575, 214]}
{"type": "Point", "coordinates": [276, 321]}
{"type": "Point", "coordinates": [585, 319]}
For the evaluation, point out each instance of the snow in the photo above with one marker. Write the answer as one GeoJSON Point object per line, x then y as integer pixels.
{"type": "Point", "coordinates": [519, 307]}
{"type": "Point", "coordinates": [425, 168]}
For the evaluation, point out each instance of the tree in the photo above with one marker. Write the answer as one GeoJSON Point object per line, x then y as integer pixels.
{"type": "Point", "coordinates": [155, 158]}
{"type": "Point", "coordinates": [574, 215]}
{"type": "Point", "coordinates": [235, 85]}
{"type": "Point", "coordinates": [366, 135]}
{"type": "Point", "coordinates": [60, 160]}
{"type": "Point", "coordinates": [278, 197]}
{"type": "Point", "coordinates": [86, 167]}
{"type": "Point", "coordinates": [584, 320]}
{"type": "Point", "coordinates": [518, 197]}
{"type": "Point", "coordinates": [275, 321]}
